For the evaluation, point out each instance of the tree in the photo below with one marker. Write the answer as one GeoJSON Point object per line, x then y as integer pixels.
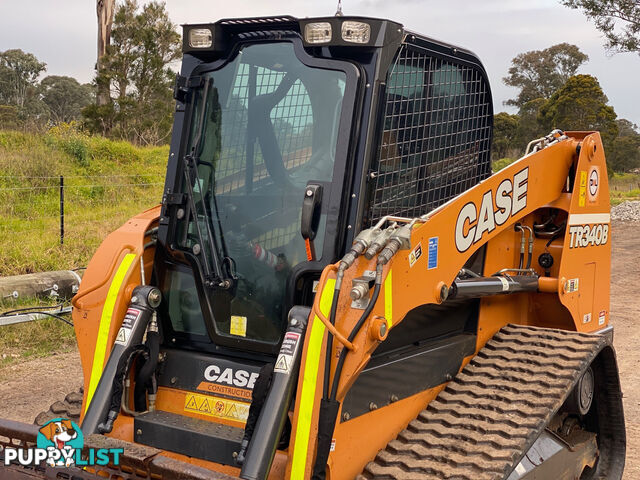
{"type": "Point", "coordinates": [618, 20]}
{"type": "Point", "coordinates": [627, 128]}
{"type": "Point", "coordinates": [529, 127]}
{"type": "Point", "coordinates": [64, 97]}
{"type": "Point", "coordinates": [505, 129]}
{"type": "Point", "coordinates": [624, 154]}
{"type": "Point", "coordinates": [580, 104]}
{"type": "Point", "coordinates": [143, 44]}
{"type": "Point", "coordinates": [19, 72]}
{"type": "Point", "coordinates": [539, 73]}
{"type": "Point", "coordinates": [105, 10]}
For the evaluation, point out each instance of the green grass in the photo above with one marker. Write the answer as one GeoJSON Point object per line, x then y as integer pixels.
{"type": "Point", "coordinates": [40, 338]}
{"type": "Point", "coordinates": [105, 186]}
{"type": "Point", "coordinates": [623, 187]}
{"type": "Point", "coordinates": [23, 341]}
{"type": "Point", "coordinates": [106, 183]}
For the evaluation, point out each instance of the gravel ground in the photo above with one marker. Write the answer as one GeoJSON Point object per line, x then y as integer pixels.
{"type": "Point", "coordinates": [28, 388]}
{"type": "Point", "coordinates": [627, 211]}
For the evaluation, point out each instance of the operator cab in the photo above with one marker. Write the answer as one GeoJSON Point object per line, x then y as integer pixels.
{"type": "Point", "coordinates": [289, 137]}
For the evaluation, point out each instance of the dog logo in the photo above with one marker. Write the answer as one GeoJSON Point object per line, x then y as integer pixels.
{"type": "Point", "coordinates": [61, 438]}
{"type": "Point", "coordinates": [60, 443]}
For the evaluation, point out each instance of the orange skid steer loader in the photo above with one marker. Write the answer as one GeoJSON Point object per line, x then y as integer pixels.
{"type": "Point", "coordinates": [337, 286]}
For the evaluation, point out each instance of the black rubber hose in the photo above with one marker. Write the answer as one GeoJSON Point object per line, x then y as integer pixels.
{"type": "Point", "coordinates": [123, 366]}
{"type": "Point", "coordinates": [329, 407]}
{"type": "Point", "coordinates": [352, 335]}
{"type": "Point", "coordinates": [144, 379]}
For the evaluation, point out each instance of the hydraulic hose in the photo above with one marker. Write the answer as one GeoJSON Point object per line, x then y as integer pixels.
{"type": "Point", "coordinates": [144, 379]}
{"type": "Point", "coordinates": [329, 407]}
{"type": "Point", "coordinates": [355, 330]}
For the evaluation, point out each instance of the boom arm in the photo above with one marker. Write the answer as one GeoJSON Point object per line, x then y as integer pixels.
{"type": "Point", "coordinates": [441, 242]}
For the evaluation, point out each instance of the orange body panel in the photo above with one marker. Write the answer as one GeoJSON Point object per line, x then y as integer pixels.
{"type": "Point", "coordinates": [412, 284]}
{"type": "Point", "coordinates": [89, 303]}
{"type": "Point", "coordinates": [574, 295]}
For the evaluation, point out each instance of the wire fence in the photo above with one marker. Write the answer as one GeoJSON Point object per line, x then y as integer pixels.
{"type": "Point", "coordinates": [70, 206]}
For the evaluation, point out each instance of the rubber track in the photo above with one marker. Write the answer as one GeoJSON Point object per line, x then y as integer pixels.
{"type": "Point", "coordinates": [480, 426]}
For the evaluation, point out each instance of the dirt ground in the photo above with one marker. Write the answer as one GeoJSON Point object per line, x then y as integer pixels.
{"type": "Point", "coordinates": [28, 388]}
{"type": "Point", "coordinates": [625, 315]}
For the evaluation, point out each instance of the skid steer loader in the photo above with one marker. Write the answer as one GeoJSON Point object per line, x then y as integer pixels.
{"type": "Point", "coordinates": [336, 285]}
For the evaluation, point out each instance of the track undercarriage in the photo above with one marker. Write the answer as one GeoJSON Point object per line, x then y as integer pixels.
{"type": "Point", "coordinates": [508, 415]}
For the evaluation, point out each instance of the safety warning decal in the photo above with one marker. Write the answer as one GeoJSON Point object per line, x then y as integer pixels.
{"type": "Point", "coordinates": [583, 188]}
{"type": "Point", "coordinates": [216, 407]}
{"type": "Point", "coordinates": [130, 318]}
{"type": "Point", "coordinates": [432, 261]}
{"type": "Point", "coordinates": [238, 326]}
{"type": "Point", "coordinates": [415, 254]}
{"type": "Point", "coordinates": [123, 336]}
{"type": "Point", "coordinates": [602, 317]}
{"type": "Point", "coordinates": [586, 318]}
{"type": "Point", "coordinates": [288, 349]}
{"type": "Point", "coordinates": [571, 285]}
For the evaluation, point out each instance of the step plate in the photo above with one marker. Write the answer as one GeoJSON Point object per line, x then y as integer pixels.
{"type": "Point", "coordinates": [189, 436]}
{"type": "Point", "coordinates": [480, 425]}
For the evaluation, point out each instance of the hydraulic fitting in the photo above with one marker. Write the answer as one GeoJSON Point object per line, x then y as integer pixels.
{"type": "Point", "coordinates": [360, 244]}
{"type": "Point", "coordinates": [400, 240]}
{"type": "Point", "coordinates": [380, 241]}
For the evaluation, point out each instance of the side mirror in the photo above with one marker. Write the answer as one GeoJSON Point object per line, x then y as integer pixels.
{"type": "Point", "coordinates": [311, 217]}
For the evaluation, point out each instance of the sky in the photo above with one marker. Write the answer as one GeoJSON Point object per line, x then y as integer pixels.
{"type": "Point", "coordinates": [62, 33]}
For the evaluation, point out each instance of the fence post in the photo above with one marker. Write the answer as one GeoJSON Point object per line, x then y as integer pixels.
{"type": "Point", "coordinates": [61, 209]}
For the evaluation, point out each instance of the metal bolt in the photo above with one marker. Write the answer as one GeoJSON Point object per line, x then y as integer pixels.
{"type": "Point", "coordinates": [172, 154]}
{"type": "Point", "coordinates": [353, 195]}
{"type": "Point", "coordinates": [139, 431]}
{"type": "Point", "coordinates": [180, 213]}
{"type": "Point", "coordinates": [359, 291]}
{"type": "Point", "coordinates": [196, 249]}
{"type": "Point", "coordinates": [309, 193]}
{"type": "Point", "coordinates": [444, 293]}
{"type": "Point", "coordinates": [154, 297]}
{"type": "Point", "coordinates": [134, 299]}
{"type": "Point", "coordinates": [173, 340]}
{"type": "Point", "coordinates": [368, 85]}
{"type": "Point", "coordinates": [346, 416]}
{"type": "Point", "coordinates": [173, 380]}
{"type": "Point", "coordinates": [383, 329]}
{"type": "Point", "coordinates": [373, 406]}
{"type": "Point", "coordinates": [372, 175]}
{"type": "Point", "coordinates": [349, 227]}
{"type": "Point", "coordinates": [393, 398]}
{"type": "Point", "coordinates": [448, 377]}
{"type": "Point", "coordinates": [293, 322]}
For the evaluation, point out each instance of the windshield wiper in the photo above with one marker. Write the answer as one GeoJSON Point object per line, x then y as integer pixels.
{"type": "Point", "coordinates": [215, 274]}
